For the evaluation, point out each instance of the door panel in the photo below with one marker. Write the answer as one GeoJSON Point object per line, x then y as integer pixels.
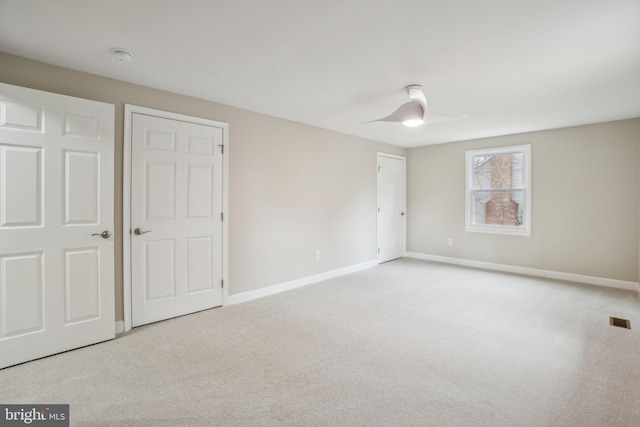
{"type": "Point", "coordinates": [21, 293]}
{"type": "Point", "coordinates": [391, 208]}
{"type": "Point", "coordinates": [200, 192]}
{"type": "Point", "coordinates": [159, 263]}
{"type": "Point", "coordinates": [160, 190]}
{"type": "Point", "coordinates": [21, 195]}
{"type": "Point", "coordinates": [56, 190]}
{"type": "Point", "coordinates": [176, 201]}
{"type": "Point", "coordinates": [199, 268]}
{"type": "Point", "coordinates": [82, 187]}
{"type": "Point", "coordinates": [82, 284]}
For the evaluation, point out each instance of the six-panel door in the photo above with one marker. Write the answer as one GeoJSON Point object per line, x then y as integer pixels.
{"type": "Point", "coordinates": [56, 192]}
{"type": "Point", "coordinates": [176, 205]}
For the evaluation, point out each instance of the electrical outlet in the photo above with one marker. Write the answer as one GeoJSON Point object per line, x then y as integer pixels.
{"type": "Point", "coordinates": [317, 253]}
{"type": "Point", "coordinates": [450, 242]}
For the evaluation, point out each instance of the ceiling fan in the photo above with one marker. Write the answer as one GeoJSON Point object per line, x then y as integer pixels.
{"type": "Point", "coordinates": [414, 112]}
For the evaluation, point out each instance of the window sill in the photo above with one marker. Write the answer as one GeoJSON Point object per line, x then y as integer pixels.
{"type": "Point", "coordinates": [498, 231]}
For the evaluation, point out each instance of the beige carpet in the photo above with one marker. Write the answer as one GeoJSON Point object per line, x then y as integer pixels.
{"type": "Point", "coordinates": [406, 343]}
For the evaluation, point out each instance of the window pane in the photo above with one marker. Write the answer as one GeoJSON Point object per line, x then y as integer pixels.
{"type": "Point", "coordinates": [498, 207]}
{"type": "Point", "coordinates": [501, 171]}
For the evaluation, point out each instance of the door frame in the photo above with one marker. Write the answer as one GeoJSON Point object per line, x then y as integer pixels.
{"type": "Point", "coordinates": [129, 110]}
{"type": "Point", "coordinates": [404, 200]}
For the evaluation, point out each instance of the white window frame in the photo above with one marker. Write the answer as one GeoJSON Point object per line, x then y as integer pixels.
{"type": "Point", "coordinates": [521, 230]}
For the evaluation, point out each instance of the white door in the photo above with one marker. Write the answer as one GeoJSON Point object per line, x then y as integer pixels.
{"type": "Point", "coordinates": [176, 218]}
{"type": "Point", "coordinates": [391, 207]}
{"type": "Point", "coordinates": [56, 200]}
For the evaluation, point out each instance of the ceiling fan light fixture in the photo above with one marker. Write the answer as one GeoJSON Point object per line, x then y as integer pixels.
{"type": "Point", "coordinates": [412, 114]}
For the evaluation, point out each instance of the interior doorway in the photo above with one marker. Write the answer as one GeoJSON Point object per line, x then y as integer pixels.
{"type": "Point", "coordinates": [175, 228]}
{"type": "Point", "coordinates": [391, 207]}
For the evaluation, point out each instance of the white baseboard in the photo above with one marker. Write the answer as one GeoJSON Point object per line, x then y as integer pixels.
{"type": "Point", "coordinates": [281, 287]}
{"type": "Point", "coordinates": [119, 327]}
{"type": "Point", "coordinates": [591, 280]}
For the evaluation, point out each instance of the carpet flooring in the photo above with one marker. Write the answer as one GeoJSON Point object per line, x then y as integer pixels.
{"type": "Point", "coordinates": [407, 343]}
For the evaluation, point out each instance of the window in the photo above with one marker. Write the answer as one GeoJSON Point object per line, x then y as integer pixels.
{"type": "Point", "coordinates": [498, 190]}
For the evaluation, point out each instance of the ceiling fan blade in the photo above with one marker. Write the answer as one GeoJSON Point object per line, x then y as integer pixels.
{"type": "Point", "coordinates": [410, 110]}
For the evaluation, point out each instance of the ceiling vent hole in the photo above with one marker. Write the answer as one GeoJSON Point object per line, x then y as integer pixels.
{"type": "Point", "coordinates": [621, 323]}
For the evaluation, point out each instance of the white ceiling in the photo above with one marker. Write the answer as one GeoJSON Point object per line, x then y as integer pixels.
{"type": "Point", "coordinates": [510, 65]}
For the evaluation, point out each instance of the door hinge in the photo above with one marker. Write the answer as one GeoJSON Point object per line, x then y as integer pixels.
{"type": "Point", "coordinates": [379, 167]}
{"type": "Point", "coordinates": [222, 283]}
{"type": "Point", "coordinates": [221, 148]}
{"type": "Point", "coordinates": [378, 250]}
{"type": "Point", "coordinates": [378, 209]}
{"type": "Point", "coordinates": [221, 216]}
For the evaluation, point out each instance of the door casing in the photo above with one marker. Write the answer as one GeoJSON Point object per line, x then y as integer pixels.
{"type": "Point", "coordinates": [129, 110]}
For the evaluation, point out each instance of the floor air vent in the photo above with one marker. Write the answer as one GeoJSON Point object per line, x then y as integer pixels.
{"type": "Point", "coordinates": [622, 323]}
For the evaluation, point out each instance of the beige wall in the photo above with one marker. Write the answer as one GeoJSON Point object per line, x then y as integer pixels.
{"type": "Point", "coordinates": [585, 202]}
{"type": "Point", "coordinates": [293, 188]}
